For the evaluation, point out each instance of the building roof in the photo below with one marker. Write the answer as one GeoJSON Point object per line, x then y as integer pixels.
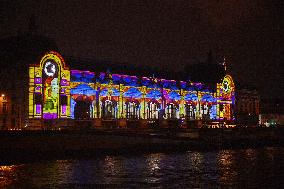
{"type": "Point", "coordinates": [96, 65]}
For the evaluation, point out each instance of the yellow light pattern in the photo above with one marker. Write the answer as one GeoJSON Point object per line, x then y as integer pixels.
{"type": "Point", "coordinates": [37, 87]}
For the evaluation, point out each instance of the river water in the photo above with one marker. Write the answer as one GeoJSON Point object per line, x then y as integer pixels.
{"type": "Point", "coordinates": [244, 168]}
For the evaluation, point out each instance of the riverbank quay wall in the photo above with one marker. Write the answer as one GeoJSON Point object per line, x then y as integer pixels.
{"type": "Point", "coordinates": [40, 145]}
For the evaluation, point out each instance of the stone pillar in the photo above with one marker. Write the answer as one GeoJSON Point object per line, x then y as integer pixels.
{"type": "Point", "coordinates": [143, 103]}
{"type": "Point", "coordinates": [120, 101]}
{"type": "Point", "coordinates": [182, 104]}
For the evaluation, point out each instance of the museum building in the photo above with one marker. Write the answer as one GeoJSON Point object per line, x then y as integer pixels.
{"type": "Point", "coordinates": [59, 96]}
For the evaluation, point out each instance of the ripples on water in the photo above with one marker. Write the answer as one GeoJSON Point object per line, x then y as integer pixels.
{"type": "Point", "coordinates": [248, 168]}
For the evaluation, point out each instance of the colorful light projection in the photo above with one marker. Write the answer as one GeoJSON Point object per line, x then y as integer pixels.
{"type": "Point", "coordinates": [208, 106]}
{"type": "Point", "coordinates": [226, 93]}
{"type": "Point", "coordinates": [49, 88]}
{"type": "Point", "coordinates": [122, 96]}
{"type": "Point", "coordinates": [82, 92]}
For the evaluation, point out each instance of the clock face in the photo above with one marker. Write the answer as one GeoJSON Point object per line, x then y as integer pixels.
{"type": "Point", "coordinates": [49, 69]}
{"type": "Point", "coordinates": [226, 85]}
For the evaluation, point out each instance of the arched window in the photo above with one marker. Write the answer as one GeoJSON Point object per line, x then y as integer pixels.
{"type": "Point", "coordinates": [152, 110]}
{"type": "Point", "coordinates": [190, 111]}
{"type": "Point", "coordinates": [109, 109]}
{"type": "Point", "coordinates": [205, 111]}
{"type": "Point", "coordinates": [171, 111]}
{"type": "Point", "coordinates": [132, 110]}
{"type": "Point", "coordinates": [206, 104]}
{"type": "Point", "coordinates": [82, 109]}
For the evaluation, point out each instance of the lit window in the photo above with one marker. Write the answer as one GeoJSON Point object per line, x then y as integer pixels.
{"type": "Point", "coordinates": [190, 111]}
{"type": "Point", "coordinates": [132, 110]}
{"type": "Point", "coordinates": [4, 107]}
{"type": "Point", "coordinates": [109, 109]}
{"type": "Point", "coordinates": [171, 111]}
{"type": "Point", "coordinates": [152, 111]}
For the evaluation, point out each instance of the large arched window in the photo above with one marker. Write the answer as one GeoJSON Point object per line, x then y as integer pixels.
{"type": "Point", "coordinates": [190, 110]}
{"type": "Point", "coordinates": [205, 111]}
{"type": "Point", "coordinates": [171, 111]}
{"type": "Point", "coordinates": [132, 110]}
{"type": "Point", "coordinates": [109, 109]}
{"type": "Point", "coordinates": [152, 110]}
{"type": "Point", "coordinates": [206, 104]}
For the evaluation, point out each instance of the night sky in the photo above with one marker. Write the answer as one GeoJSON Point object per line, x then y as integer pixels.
{"type": "Point", "coordinates": [168, 34]}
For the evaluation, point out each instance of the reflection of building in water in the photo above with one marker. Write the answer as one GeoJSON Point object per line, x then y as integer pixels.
{"type": "Point", "coordinates": [196, 159]}
{"type": "Point", "coordinates": [8, 175]}
{"type": "Point", "coordinates": [154, 161]}
{"type": "Point", "coordinates": [226, 164]}
{"type": "Point", "coordinates": [250, 154]}
{"type": "Point", "coordinates": [225, 158]}
{"type": "Point", "coordinates": [109, 165]}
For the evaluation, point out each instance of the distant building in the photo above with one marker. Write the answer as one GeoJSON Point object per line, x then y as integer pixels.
{"type": "Point", "coordinates": [272, 112]}
{"type": "Point", "coordinates": [247, 106]}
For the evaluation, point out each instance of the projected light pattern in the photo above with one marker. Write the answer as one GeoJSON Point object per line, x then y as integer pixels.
{"type": "Point", "coordinates": [49, 80]}
{"type": "Point", "coordinates": [57, 92]}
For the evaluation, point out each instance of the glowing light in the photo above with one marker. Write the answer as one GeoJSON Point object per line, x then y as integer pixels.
{"type": "Point", "coordinates": [46, 82]}
{"type": "Point", "coordinates": [54, 91]}
{"type": "Point", "coordinates": [38, 109]}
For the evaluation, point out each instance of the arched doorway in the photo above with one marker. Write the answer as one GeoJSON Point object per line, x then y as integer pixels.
{"type": "Point", "coordinates": [153, 110]}
{"type": "Point", "coordinates": [82, 109]}
{"type": "Point", "coordinates": [109, 109]}
{"type": "Point", "coordinates": [171, 111]}
{"type": "Point", "coordinates": [190, 110]}
{"type": "Point", "coordinates": [132, 110]}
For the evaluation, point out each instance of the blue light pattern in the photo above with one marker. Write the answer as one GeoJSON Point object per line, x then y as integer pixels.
{"type": "Point", "coordinates": [83, 89]}
{"type": "Point", "coordinates": [191, 97]}
{"type": "Point", "coordinates": [154, 94]}
{"type": "Point", "coordinates": [133, 93]}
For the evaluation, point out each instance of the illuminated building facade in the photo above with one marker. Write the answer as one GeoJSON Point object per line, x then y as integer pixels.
{"type": "Point", "coordinates": [59, 95]}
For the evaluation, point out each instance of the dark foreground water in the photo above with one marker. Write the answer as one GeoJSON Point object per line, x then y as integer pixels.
{"type": "Point", "coordinates": [247, 168]}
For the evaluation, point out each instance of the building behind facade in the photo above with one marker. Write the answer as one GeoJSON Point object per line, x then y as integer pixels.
{"type": "Point", "coordinates": [247, 107]}
{"type": "Point", "coordinates": [272, 112]}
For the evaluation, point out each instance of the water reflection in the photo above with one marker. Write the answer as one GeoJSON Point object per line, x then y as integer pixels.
{"type": "Point", "coordinates": [196, 160]}
{"type": "Point", "coordinates": [251, 154]}
{"type": "Point", "coordinates": [228, 171]}
{"type": "Point", "coordinates": [109, 165]}
{"type": "Point", "coordinates": [153, 161]}
{"type": "Point", "coordinates": [7, 175]}
{"type": "Point", "coordinates": [270, 152]}
{"type": "Point", "coordinates": [153, 167]}
{"type": "Point", "coordinates": [254, 168]}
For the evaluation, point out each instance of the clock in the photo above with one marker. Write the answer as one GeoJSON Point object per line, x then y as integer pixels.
{"type": "Point", "coordinates": [226, 85]}
{"type": "Point", "coordinates": [49, 69]}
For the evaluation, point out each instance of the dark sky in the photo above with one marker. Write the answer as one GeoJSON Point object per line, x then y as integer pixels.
{"type": "Point", "coordinates": [170, 34]}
